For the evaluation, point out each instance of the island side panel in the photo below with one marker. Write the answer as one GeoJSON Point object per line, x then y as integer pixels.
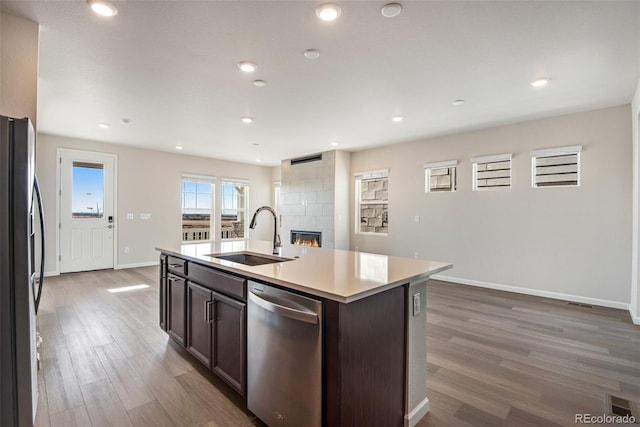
{"type": "Point", "coordinates": [417, 401]}
{"type": "Point", "coordinates": [365, 357]}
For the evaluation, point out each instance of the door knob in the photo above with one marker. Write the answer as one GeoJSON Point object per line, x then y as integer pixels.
{"type": "Point", "coordinates": [109, 226]}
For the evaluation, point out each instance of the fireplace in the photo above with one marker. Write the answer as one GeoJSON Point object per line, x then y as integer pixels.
{"type": "Point", "coordinates": [306, 238]}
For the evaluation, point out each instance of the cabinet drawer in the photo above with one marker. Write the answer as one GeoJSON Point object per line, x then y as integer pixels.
{"type": "Point", "coordinates": [218, 281]}
{"type": "Point", "coordinates": [177, 265]}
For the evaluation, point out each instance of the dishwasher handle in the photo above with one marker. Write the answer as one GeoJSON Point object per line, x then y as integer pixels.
{"type": "Point", "coordinates": [292, 313]}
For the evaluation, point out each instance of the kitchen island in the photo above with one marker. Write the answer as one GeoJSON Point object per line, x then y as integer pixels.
{"type": "Point", "coordinates": [373, 350]}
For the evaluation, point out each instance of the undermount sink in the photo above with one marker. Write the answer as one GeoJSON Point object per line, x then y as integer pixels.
{"type": "Point", "coordinates": [250, 258]}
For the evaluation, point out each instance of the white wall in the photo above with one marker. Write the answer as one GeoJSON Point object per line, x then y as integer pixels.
{"type": "Point", "coordinates": [18, 67]}
{"type": "Point", "coordinates": [569, 243]}
{"type": "Point", "coordinates": [148, 181]}
{"type": "Point", "coordinates": [635, 264]}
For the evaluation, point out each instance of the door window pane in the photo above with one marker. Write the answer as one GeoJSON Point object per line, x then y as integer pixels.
{"type": "Point", "coordinates": [87, 194]}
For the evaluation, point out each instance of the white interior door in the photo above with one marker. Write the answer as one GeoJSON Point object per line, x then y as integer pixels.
{"type": "Point", "coordinates": [87, 219]}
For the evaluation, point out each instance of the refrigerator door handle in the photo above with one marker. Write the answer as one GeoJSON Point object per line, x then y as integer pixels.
{"type": "Point", "coordinates": [38, 294]}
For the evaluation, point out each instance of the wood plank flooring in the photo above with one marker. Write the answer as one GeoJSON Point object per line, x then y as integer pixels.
{"type": "Point", "coordinates": [502, 359]}
{"type": "Point", "coordinates": [494, 359]}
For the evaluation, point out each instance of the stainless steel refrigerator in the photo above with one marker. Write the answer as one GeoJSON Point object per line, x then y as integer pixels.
{"type": "Point", "coordinates": [20, 287]}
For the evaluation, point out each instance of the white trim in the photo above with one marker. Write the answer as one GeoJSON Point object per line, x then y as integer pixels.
{"type": "Point", "coordinates": [51, 273]}
{"type": "Point", "coordinates": [534, 292]}
{"type": "Point", "coordinates": [205, 179]}
{"type": "Point", "coordinates": [413, 417]}
{"type": "Point", "coordinates": [379, 173]}
{"type": "Point", "coordinates": [136, 265]}
{"type": "Point", "coordinates": [560, 151]}
{"type": "Point", "coordinates": [634, 319]}
{"type": "Point", "coordinates": [57, 197]}
{"type": "Point", "coordinates": [439, 165]}
{"type": "Point", "coordinates": [492, 158]}
{"type": "Point", "coordinates": [235, 181]}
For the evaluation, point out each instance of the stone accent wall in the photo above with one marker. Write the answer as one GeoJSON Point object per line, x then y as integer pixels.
{"type": "Point", "coordinates": [374, 216]}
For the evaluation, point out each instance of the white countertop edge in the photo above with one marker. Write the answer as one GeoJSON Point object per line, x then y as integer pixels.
{"type": "Point", "coordinates": [245, 271]}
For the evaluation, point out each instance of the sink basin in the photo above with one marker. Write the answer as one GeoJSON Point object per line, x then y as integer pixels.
{"type": "Point", "coordinates": [250, 258]}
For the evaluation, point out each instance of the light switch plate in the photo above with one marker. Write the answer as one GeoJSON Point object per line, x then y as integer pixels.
{"type": "Point", "coordinates": [416, 304]}
{"type": "Point", "coordinates": [129, 216]}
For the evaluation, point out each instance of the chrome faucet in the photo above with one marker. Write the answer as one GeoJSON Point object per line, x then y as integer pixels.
{"type": "Point", "coordinates": [276, 237]}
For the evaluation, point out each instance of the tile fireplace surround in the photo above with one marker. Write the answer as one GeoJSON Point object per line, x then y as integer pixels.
{"type": "Point", "coordinates": [315, 196]}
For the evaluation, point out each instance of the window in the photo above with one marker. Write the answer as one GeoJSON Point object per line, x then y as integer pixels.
{"type": "Point", "coordinates": [197, 207]}
{"type": "Point", "coordinates": [233, 220]}
{"type": "Point", "coordinates": [492, 172]}
{"type": "Point", "coordinates": [372, 213]}
{"type": "Point", "coordinates": [556, 167]}
{"type": "Point", "coordinates": [87, 190]}
{"type": "Point", "coordinates": [440, 177]}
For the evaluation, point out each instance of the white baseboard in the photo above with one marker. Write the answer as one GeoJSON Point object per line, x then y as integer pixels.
{"type": "Point", "coordinates": [535, 292]}
{"type": "Point", "coordinates": [635, 319]}
{"type": "Point", "coordinates": [136, 265]}
{"type": "Point", "coordinates": [413, 417]}
{"type": "Point", "coordinates": [51, 273]}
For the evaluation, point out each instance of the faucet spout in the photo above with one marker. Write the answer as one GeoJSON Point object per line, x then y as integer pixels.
{"type": "Point", "coordinates": [276, 237]}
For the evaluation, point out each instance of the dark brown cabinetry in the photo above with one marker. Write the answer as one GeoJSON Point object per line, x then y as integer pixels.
{"type": "Point", "coordinates": [162, 307]}
{"type": "Point", "coordinates": [229, 341]}
{"type": "Point", "coordinates": [176, 309]}
{"type": "Point", "coordinates": [199, 315]}
{"type": "Point", "coordinates": [206, 313]}
{"type": "Point", "coordinates": [364, 342]}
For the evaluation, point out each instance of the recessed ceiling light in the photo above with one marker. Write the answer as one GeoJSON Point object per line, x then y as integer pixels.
{"type": "Point", "coordinates": [103, 8]}
{"type": "Point", "coordinates": [255, 144]}
{"type": "Point", "coordinates": [328, 11]}
{"type": "Point", "coordinates": [539, 82]}
{"type": "Point", "coordinates": [312, 53]}
{"type": "Point", "coordinates": [247, 66]}
{"type": "Point", "coordinates": [458, 102]}
{"type": "Point", "coordinates": [259, 83]}
{"type": "Point", "coordinates": [391, 10]}
{"type": "Point", "coordinates": [335, 143]}
{"type": "Point", "coordinates": [258, 160]}
{"type": "Point", "coordinates": [397, 119]}
{"type": "Point", "coordinates": [178, 147]}
{"type": "Point", "coordinates": [125, 121]}
{"type": "Point", "coordinates": [246, 119]}
{"type": "Point", "coordinates": [104, 125]}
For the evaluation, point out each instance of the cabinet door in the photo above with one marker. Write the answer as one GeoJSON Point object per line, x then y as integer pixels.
{"type": "Point", "coordinates": [199, 317]}
{"type": "Point", "coordinates": [229, 358]}
{"type": "Point", "coordinates": [176, 296]}
{"type": "Point", "coordinates": [162, 311]}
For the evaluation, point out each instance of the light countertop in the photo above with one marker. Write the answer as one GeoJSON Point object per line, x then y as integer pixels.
{"type": "Point", "coordinates": [342, 276]}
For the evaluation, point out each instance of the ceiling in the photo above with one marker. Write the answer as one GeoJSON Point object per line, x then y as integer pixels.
{"type": "Point", "coordinates": [170, 67]}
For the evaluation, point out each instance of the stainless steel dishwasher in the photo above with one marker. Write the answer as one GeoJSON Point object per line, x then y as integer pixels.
{"type": "Point", "coordinates": [284, 357]}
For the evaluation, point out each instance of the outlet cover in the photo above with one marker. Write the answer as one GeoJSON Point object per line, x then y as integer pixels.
{"type": "Point", "coordinates": [416, 304]}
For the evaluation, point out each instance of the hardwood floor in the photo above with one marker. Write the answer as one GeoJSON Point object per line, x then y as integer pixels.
{"type": "Point", "coordinates": [494, 359]}
{"type": "Point", "coordinates": [502, 359]}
